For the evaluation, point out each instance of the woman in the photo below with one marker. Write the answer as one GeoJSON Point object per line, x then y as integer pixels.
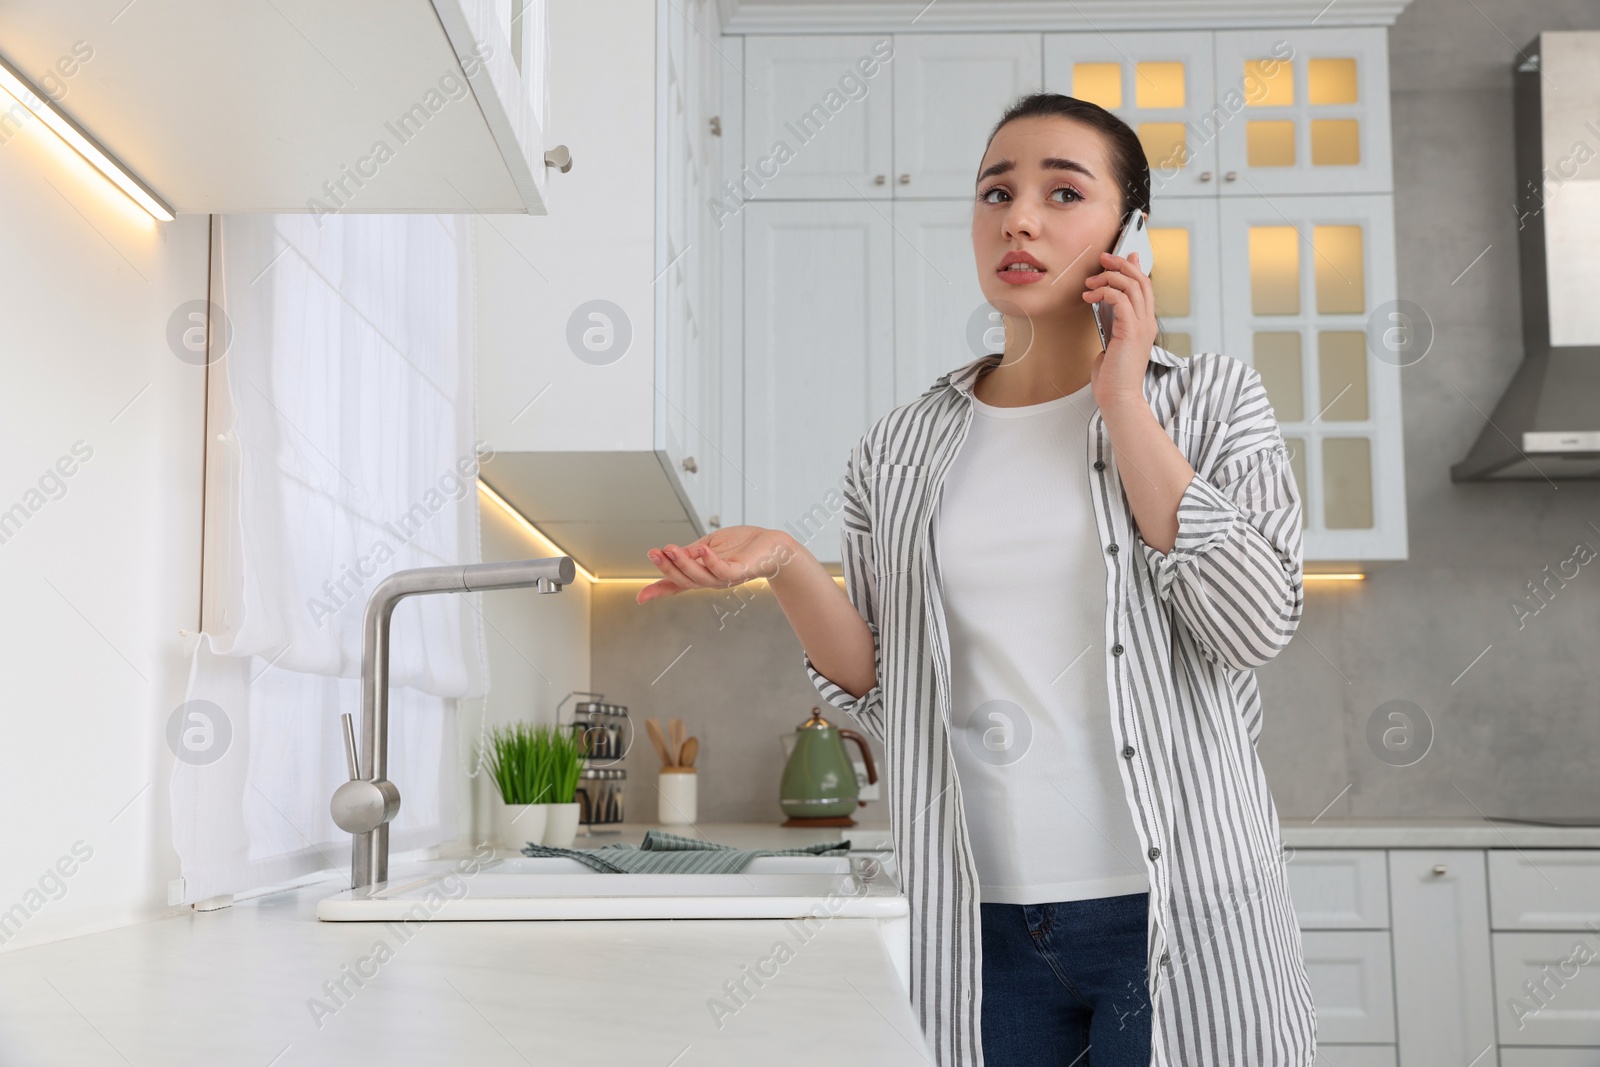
{"type": "Point", "coordinates": [1061, 566]}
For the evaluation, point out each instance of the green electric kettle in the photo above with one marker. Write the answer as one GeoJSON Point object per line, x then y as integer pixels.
{"type": "Point", "coordinates": [819, 784]}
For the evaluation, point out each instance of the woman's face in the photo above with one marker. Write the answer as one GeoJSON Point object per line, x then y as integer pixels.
{"type": "Point", "coordinates": [1045, 188]}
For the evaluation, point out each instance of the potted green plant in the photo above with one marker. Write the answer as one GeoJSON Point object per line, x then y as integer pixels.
{"type": "Point", "coordinates": [566, 757]}
{"type": "Point", "coordinates": [518, 755]}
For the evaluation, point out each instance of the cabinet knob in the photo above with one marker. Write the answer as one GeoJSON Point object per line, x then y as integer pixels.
{"type": "Point", "coordinates": [716, 125]}
{"type": "Point", "coordinates": [689, 464]}
{"type": "Point", "coordinates": [1205, 175]}
{"type": "Point", "coordinates": [1438, 870]}
{"type": "Point", "coordinates": [879, 180]}
{"type": "Point", "coordinates": [1230, 176]}
{"type": "Point", "coordinates": [714, 521]}
{"type": "Point", "coordinates": [905, 179]}
{"type": "Point", "coordinates": [559, 157]}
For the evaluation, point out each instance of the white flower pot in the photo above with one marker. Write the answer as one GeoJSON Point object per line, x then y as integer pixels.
{"type": "Point", "coordinates": [516, 825]}
{"type": "Point", "coordinates": [561, 824]}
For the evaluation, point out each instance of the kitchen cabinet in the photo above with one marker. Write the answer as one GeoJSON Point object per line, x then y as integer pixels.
{"type": "Point", "coordinates": [1342, 904]}
{"type": "Point", "coordinates": [855, 113]}
{"type": "Point", "coordinates": [1272, 222]}
{"type": "Point", "coordinates": [818, 118]}
{"type": "Point", "coordinates": [392, 106]}
{"type": "Point", "coordinates": [1271, 172]}
{"type": "Point", "coordinates": [689, 412]}
{"type": "Point", "coordinates": [1444, 997]}
{"type": "Point", "coordinates": [1308, 275]}
{"type": "Point", "coordinates": [1492, 951]}
{"type": "Point", "coordinates": [600, 386]}
{"type": "Point", "coordinates": [949, 91]}
{"type": "Point", "coordinates": [1546, 922]}
{"type": "Point", "coordinates": [818, 369]}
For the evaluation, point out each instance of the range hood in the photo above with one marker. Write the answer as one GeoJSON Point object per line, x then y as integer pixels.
{"type": "Point", "coordinates": [1547, 425]}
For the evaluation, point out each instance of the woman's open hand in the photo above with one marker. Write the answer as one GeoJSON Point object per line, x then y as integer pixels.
{"type": "Point", "coordinates": [720, 559]}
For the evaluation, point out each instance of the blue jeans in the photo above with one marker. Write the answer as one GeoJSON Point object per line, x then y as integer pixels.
{"type": "Point", "coordinates": [1065, 978]}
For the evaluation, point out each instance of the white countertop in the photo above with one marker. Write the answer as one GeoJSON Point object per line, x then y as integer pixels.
{"type": "Point", "coordinates": [237, 986]}
{"type": "Point", "coordinates": [1433, 833]}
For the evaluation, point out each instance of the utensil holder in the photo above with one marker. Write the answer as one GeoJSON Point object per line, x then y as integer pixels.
{"type": "Point", "coordinates": [677, 796]}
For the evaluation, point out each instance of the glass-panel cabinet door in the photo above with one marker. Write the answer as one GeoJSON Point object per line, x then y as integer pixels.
{"type": "Point", "coordinates": [1158, 83]}
{"type": "Point", "coordinates": [1303, 111]}
{"type": "Point", "coordinates": [1187, 275]}
{"type": "Point", "coordinates": [1304, 280]}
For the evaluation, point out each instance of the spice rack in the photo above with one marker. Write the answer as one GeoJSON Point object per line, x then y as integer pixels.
{"type": "Point", "coordinates": [605, 731]}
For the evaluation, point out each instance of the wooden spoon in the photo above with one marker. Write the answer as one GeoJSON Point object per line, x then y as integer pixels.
{"type": "Point", "coordinates": [656, 739]}
{"type": "Point", "coordinates": [676, 726]}
{"type": "Point", "coordinates": [691, 748]}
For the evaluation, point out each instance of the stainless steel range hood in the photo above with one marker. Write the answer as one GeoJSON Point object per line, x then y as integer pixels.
{"type": "Point", "coordinates": [1547, 425]}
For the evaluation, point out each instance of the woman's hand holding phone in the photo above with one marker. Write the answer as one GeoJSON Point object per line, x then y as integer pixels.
{"type": "Point", "coordinates": [720, 559]}
{"type": "Point", "coordinates": [1118, 372]}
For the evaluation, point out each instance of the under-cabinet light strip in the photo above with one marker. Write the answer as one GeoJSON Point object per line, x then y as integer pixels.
{"type": "Point", "coordinates": [522, 520]}
{"type": "Point", "coordinates": [80, 142]}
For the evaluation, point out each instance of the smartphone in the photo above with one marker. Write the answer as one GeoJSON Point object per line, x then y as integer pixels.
{"type": "Point", "coordinates": [1135, 237]}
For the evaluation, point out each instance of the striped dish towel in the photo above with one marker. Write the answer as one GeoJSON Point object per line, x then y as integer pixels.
{"type": "Point", "coordinates": [664, 853]}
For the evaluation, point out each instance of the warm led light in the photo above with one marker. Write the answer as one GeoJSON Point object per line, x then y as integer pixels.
{"type": "Point", "coordinates": [1336, 576]}
{"type": "Point", "coordinates": [80, 142]}
{"type": "Point", "coordinates": [522, 520]}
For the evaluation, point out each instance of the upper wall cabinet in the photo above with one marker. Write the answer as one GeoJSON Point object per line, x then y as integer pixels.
{"type": "Point", "coordinates": [895, 116]}
{"type": "Point", "coordinates": [1315, 114]}
{"type": "Point", "coordinates": [1271, 222]}
{"type": "Point", "coordinates": [597, 327]}
{"type": "Point", "coordinates": [399, 105]}
{"type": "Point", "coordinates": [689, 395]}
{"type": "Point", "coordinates": [818, 115]}
{"type": "Point", "coordinates": [949, 91]}
{"type": "Point", "coordinates": [1160, 84]}
{"type": "Point", "coordinates": [1241, 112]}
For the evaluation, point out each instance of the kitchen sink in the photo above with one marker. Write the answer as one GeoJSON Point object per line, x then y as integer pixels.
{"type": "Point", "coordinates": [558, 887]}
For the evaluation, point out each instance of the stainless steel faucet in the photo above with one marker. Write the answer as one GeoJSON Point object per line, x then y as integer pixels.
{"type": "Point", "coordinates": [368, 802]}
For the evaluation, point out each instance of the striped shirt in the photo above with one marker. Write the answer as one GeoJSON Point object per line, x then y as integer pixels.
{"type": "Point", "coordinates": [1183, 632]}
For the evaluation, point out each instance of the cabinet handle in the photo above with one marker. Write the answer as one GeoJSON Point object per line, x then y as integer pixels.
{"type": "Point", "coordinates": [689, 464]}
{"type": "Point", "coordinates": [1205, 175]}
{"type": "Point", "coordinates": [716, 125]}
{"type": "Point", "coordinates": [879, 180]}
{"type": "Point", "coordinates": [1438, 870]}
{"type": "Point", "coordinates": [714, 521]}
{"type": "Point", "coordinates": [1230, 176]}
{"type": "Point", "coordinates": [905, 179]}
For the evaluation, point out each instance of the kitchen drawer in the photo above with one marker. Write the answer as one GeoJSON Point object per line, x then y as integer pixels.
{"type": "Point", "coordinates": [1570, 1010]}
{"type": "Point", "coordinates": [1352, 985]}
{"type": "Point", "coordinates": [1331, 1055]}
{"type": "Point", "coordinates": [1544, 889]}
{"type": "Point", "coordinates": [1548, 1057]}
{"type": "Point", "coordinates": [1337, 889]}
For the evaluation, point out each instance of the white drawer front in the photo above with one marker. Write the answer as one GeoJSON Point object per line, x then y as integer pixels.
{"type": "Point", "coordinates": [1352, 985]}
{"type": "Point", "coordinates": [1337, 889]}
{"type": "Point", "coordinates": [1548, 1057]}
{"type": "Point", "coordinates": [1564, 1006]}
{"type": "Point", "coordinates": [1544, 889]}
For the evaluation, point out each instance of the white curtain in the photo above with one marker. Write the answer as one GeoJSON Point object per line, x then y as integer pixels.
{"type": "Point", "coordinates": [340, 449]}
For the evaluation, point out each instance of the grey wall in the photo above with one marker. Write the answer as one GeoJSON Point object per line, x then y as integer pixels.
{"type": "Point", "coordinates": [1517, 734]}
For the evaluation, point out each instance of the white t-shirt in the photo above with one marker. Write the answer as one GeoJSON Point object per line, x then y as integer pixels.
{"type": "Point", "coordinates": [1023, 578]}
